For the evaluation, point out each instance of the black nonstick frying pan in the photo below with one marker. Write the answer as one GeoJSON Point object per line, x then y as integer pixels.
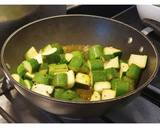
{"type": "Point", "coordinates": [81, 29]}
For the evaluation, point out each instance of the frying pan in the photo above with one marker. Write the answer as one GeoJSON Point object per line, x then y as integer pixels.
{"type": "Point", "coordinates": [78, 29]}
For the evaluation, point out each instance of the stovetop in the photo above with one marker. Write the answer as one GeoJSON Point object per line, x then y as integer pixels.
{"type": "Point", "coordinates": [145, 108]}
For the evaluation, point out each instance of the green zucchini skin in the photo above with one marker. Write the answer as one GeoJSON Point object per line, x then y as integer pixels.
{"type": "Point", "coordinates": [77, 54]}
{"type": "Point", "coordinates": [41, 79]}
{"type": "Point", "coordinates": [21, 70]}
{"type": "Point", "coordinates": [59, 48]}
{"type": "Point", "coordinates": [35, 65]}
{"type": "Point", "coordinates": [120, 86]}
{"type": "Point", "coordinates": [63, 59]}
{"type": "Point", "coordinates": [97, 76]}
{"type": "Point", "coordinates": [95, 52]}
{"type": "Point", "coordinates": [75, 63]}
{"type": "Point", "coordinates": [133, 72]}
{"type": "Point", "coordinates": [95, 64]}
{"type": "Point", "coordinates": [59, 80]}
{"type": "Point", "coordinates": [111, 73]}
{"type": "Point", "coordinates": [130, 81]}
{"type": "Point", "coordinates": [52, 58]}
{"type": "Point", "coordinates": [43, 69]}
{"type": "Point", "coordinates": [84, 68]}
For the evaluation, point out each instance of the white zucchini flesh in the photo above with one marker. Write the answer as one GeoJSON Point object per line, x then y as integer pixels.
{"type": "Point", "coordinates": [27, 66]}
{"type": "Point", "coordinates": [43, 89]}
{"type": "Point", "coordinates": [108, 94]}
{"type": "Point", "coordinates": [113, 63]}
{"type": "Point", "coordinates": [70, 79]}
{"type": "Point", "coordinates": [139, 60]}
{"type": "Point", "coordinates": [83, 79]}
{"type": "Point", "coordinates": [100, 86]}
{"type": "Point", "coordinates": [123, 68]}
{"type": "Point", "coordinates": [95, 96]}
{"type": "Point", "coordinates": [68, 56]}
{"type": "Point", "coordinates": [16, 77]}
{"type": "Point", "coordinates": [110, 50]}
{"type": "Point", "coordinates": [49, 51]}
{"type": "Point", "coordinates": [39, 58]}
{"type": "Point", "coordinates": [31, 53]}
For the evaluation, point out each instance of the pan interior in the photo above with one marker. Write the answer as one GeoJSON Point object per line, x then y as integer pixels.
{"type": "Point", "coordinates": [83, 30]}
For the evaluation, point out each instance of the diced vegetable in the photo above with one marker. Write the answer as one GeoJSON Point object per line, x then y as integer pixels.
{"type": "Point", "coordinates": [120, 86]}
{"type": "Point", "coordinates": [35, 65]}
{"type": "Point", "coordinates": [95, 52]}
{"type": "Point", "coordinates": [27, 66]}
{"type": "Point", "coordinates": [41, 79]}
{"type": "Point", "coordinates": [43, 68]}
{"type": "Point", "coordinates": [39, 58]}
{"type": "Point", "coordinates": [77, 54]}
{"type": "Point", "coordinates": [50, 55]}
{"type": "Point", "coordinates": [95, 96]}
{"type": "Point", "coordinates": [70, 79]}
{"type": "Point", "coordinates": [68, 56]}
{"type": "Point", "coordinates": [84, 93]}
{"type": "Point", "coordinates": [58, 92]}
{"type": "Point", "coordinates": [75, 63]}
{"type": "Point", "coordinates": [84, 68]}
{"type": "Point", "coordinates": [95, 64]}
{"type": "Point", "coordinates": [113, 63]}
{"type": "Point", "coordinates": [139, 60]}
{"type": "Point", "coordinates": [108, 94]}
{"type": "Point", "coordinates": [57, 68]}
{"type": "Point", "coordinates": [29, 75]}
{"type": "Point", "coordinates": [21, 70]}
{"type": "Point", "coordinates": [59, 80]}
{"type": "Point", "coordinates": [43, 89]}
{"type": "Point", "coordinates": [31, 53]}
{"type": "Point", "coordinates": [123, 68]}
{"type": "Point", "coordinates": [59, 48]}
{"type": "Point", "coordinates": [18, 78]}
{"type": "Point", "coordinates": [83, 79]}
{"type": "Point", "coordinates": [28, 84]}
{"type": "Point", "coordinates": [100, 86]}
{"type": "Point", "coordinates": [133, 72]}
{"type": "Point", "coordinates": [111, 73]}
{"type": "Point", "coordinates": [97, 76]}
{"type": "Point", "coordinates": [130, 81]}
{"type": "Point", "coordinates": [111, 51]}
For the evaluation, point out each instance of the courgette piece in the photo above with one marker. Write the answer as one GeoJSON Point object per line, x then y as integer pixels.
{"type": "Point", "coordinates": [75, 63]}
{"type": "Point", "coordinates": [100, 86]}
{"type": "Point", "coordinates": [18, 78]}
{"type": "Point", "coordinates": [68, 57]}
{"type": "Point", "coordinates": [58, 92]}
{"type": "Point", "coordinates": [69, 95]}
{"type": "Point", "coordinates": [43, 89]}
{"type": "Point", "coordinates": [108, 94]}
{"type": "Point", "coordinates": [120, 86]}
{"type": "Point", "coordinates": [113, 63]}
{"type": "Point", "coordinates": [35, 65]}
{"type": "Point", "coordinates": [59, 48]}
{"type": "Point", "coordinates": [21, 70]}
{"type": "Point", "coordinates": [70, 79]}
{"type": "Point", "coordinates": [43, 68]}
{"type": "Point", "coordinates": [41, 79]}
{"type": "Point", "coordinates": [139, 60]}
{"type": "Point", "coordinates": [130, 81]}
{"type": "Point", "coordinates": [57, 68]}
{"type": "Point", "coordinates": [29, 76]}
{"type": "Point", "coordinates": [50, 55]}
{"type": "Point", "coordinates": [63, 59]}
{"type": "Point", "coordinates": [59, 80]}
{"type": "Point", "coordinates": [133, 72]}
{"type": "Point", "coordinates": [27, 66]}
{"type": "Point", "coordinates": [95, 64]}
{"type": "Point", "coordinates": [111, 51]}
{"type": "Point", "coordinates": [111, 73]}
{"type": "Point", "coordinates": [77, 54]}
{"type": "Point", "coordinates": [123, 68]}
{"type": "Point", "coordinates": [84, 68]}
{"type": "Point", "coordinates": [95, 52]}
{"type": "Point", "coordinates": [83, 79]}
{"type": "Point", "coordinates": [97, 76]}
{"type": "Point", "coordinates": [95, 96]}
{"type": "Point", "coordinates": [31, 53]}
{"type": "Point", "coordinates": [84, 93]}
{"type": "Point", "coordinates": [39, 58]}
{"type": "Point", "coordinates": [28, 84]}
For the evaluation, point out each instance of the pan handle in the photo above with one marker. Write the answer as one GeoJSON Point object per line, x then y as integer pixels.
{"type": "Point", "coordinates": [155, 25]}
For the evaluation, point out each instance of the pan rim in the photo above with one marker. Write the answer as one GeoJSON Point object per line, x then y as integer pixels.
{"type": "Point", "coordinates": [8, 74]}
